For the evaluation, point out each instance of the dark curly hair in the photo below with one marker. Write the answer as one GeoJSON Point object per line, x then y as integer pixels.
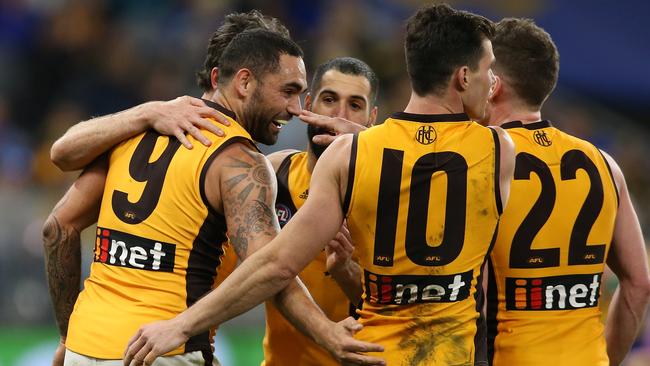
{"type": "Point", "coordinates": [234, 24]}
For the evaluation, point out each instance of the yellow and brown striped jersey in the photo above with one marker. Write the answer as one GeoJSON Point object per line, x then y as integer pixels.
{"type": "Point", "coordinates": [422, 205]}
{"type": "Point", "coordinates": [159, 243]}
{"type": "Point", "coordinates": [284, 344]}
{"type": "Point", "coordinates": [547, 264]}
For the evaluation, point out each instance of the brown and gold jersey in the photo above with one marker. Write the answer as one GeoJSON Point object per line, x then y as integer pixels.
{"type": "Point", "coordinates": [284, 344]}
{"type": "Point", "coordinates": [159, 243]}
{"type": "Point", "coordinates": [422, 206]}
{"type": "Point", "coordinates": [547, 264]}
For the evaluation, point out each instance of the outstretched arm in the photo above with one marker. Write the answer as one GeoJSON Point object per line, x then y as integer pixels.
{"type": "Point", "coordinates": [77, 210]}
{"type": "Point", "coordinates": [266, 272]}
{"type": "Point", "coordinates": [86, 140]}
{"type": "Point", "coordinates": [629, 261]}
{"type": "Point", "coordinates": [337, 125]}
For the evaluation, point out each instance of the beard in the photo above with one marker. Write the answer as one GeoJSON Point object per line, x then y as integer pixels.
{"type": "Point", "coordinates": [315, 148]}
{"type": "Point", "coordinates": [257, 119]}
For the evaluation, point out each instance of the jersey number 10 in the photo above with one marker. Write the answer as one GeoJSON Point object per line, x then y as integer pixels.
{"type": "Point", "coordinates": [417, 248]}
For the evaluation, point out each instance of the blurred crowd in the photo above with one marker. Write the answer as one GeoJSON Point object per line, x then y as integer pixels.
{"type": "Point", "coordinates": [63, 61]}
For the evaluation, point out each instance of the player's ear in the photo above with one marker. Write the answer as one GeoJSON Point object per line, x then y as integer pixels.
{"type": "Point", "coordinates": [461, 78]}
{"type": "Point", "coordinates": [214, 77]}
{"type": "Point", "coordinates": [244, 82]}
{"type": "Point", "coordinates": [496, 88]}
{"type": "Point", "coordinates": [373, 117]}
{"type": "Point", "coordinates": [308, 102]}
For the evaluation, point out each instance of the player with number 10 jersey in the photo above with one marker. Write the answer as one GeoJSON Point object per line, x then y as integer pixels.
{"type": "Point", "coordinates": [423, 218]}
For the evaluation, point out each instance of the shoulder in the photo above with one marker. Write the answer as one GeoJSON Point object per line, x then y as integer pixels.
{"type": "Point", "coordinates": [617, 173]}
{"type": "Point", "coordinates": [337, 155]}
{"type": "Point", "coordinates": [506, 145]}
{"type": "Point", "coordinates": [240, 157]}
{"type": "Point", "coordinates": [278, 157]}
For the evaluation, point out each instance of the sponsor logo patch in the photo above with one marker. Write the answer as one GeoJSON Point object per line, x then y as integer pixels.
{"type": "Point", "coordinates": [553, 293]}
{"type": "Point", "coordinates": [402, 290]}
{"type": "Point", "coordinates": [120, 249]}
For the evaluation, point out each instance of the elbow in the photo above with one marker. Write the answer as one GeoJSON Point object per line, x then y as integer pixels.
{"type": "Point", "coordinates": [643, 288]}
{"type": "Point", "coordinates": [284, 272]}
{"type": "Point", "coordinates": [58, 156]}
{"type": "Point", "coordinates": [51, 232]}
{"type": "Point", "coordinates": [639, 288]}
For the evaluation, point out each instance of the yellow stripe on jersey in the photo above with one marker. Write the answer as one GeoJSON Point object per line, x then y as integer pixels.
{"type": "Point", "coordinates": [547, 264]}
{"type": "Point", "coordinates": [284, 344]}
{"type": "Point", "coordinates": [423, 208]}
{"type": "Point", "coordinates": [159, 244]}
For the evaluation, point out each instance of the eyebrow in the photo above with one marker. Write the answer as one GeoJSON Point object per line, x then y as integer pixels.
{"type": "Point", "coordinates": [296, 85]}
{"type": "Point", "coordinates": [329, 91]}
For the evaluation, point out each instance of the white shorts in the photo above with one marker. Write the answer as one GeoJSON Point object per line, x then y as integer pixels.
{"type": "Point", "coordinates": [186, 359]}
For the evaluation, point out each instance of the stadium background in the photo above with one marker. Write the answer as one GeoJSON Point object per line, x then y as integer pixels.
{"type": "Point", "coordinates": [62, 61]}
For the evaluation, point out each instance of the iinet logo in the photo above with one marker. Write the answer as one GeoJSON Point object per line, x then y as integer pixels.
{"type": "Point", "coordinates": [125, 250]}
{"type": "Point", "coordinates": [553, 293]}
{"type": "Point", "coordinates": [402, 290]}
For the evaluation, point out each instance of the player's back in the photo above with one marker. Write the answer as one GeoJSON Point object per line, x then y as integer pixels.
{"type": "Point", "coordinates": [159, 244]}
{"type": "Point", "coordinates": [547, 264]}
{"type": "Point", "coordinates": [423, 206]}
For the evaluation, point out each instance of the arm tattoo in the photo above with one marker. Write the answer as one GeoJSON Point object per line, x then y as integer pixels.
{"type": "Point", "coordinates": [248, 201]}
{"type": "Point", "coordinates": [63, 268]}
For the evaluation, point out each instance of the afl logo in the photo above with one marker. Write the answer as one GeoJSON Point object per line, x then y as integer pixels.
{"type": "Point", "coordinates": [284, 214]}
{"type": "Point", "coordinates": [541, 138]}
{"type": "Point", "coordinates": [426, 135]}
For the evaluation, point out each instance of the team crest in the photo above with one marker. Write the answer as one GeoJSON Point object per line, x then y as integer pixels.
{"type": "Point", "coordinates": [284, 214]}
{"type": "Point", "coordinates": [541, 139]}
{"type": "Point", "coordinates": [426, 135]}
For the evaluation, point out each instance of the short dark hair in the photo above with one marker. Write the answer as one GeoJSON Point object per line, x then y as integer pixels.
{"type": "Point", "coordinates": [258, 50]}
{"type": "Point", "coordinates": [438, 40]}
{"type": "Point", "coordinates": [234, 24]}
{"type": "Point", "coordinates": [348, 66]}
{"type": "Point", "coordinates": [528, 58]}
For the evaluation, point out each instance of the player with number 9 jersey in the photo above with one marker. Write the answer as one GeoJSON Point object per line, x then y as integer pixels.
{"type": "Point", "coordinates": [159, 243]}
{"type": "Point", "coordinates": [547, 265]}
{"type": "Point", "coordinates": [423, 218]}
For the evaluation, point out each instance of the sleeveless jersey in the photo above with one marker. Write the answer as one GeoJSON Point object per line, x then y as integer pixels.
{"type": "Point", "coordinates": [422, 203]}
{"type": "Point", "coordinates": [547, 264]}
{"type": "Point", "coordinates": [159, 243]}
{"type": "Point", "coordinates": [284, 344]}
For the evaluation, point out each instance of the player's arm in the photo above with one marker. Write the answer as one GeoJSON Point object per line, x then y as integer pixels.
{"type": "Point", "coordinates": [266, 272]}
{"type": "Point", "coordinates": [629, 261]}
{"type": "Point", "coordinates": [337, 125]}
{"type": "Point", "coordinates": [339, 263]}
{"type": "Point", "coordinates": [86, 140]}
{"type": "Point", "coordinates": [78, 209]}
{"type": "Point", "coordinates": [248, 206]}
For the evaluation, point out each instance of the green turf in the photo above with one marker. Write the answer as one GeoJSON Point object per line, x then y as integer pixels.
{"type": "Point", "coordinates": [16, 343]}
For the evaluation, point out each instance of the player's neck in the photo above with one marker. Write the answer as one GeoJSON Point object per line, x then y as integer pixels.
{"type": "Point", "coordinates": [215, 95]}
{"type": "Point", "coordinates": [504, 113]}
{"type": "Point", "coordinates": [433, 104]}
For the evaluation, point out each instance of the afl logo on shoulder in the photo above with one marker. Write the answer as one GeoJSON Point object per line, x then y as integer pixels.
{"type": "Point", "coordinates": [426, 135]}
{"type": "Point", "coordinates": [284, 214]}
